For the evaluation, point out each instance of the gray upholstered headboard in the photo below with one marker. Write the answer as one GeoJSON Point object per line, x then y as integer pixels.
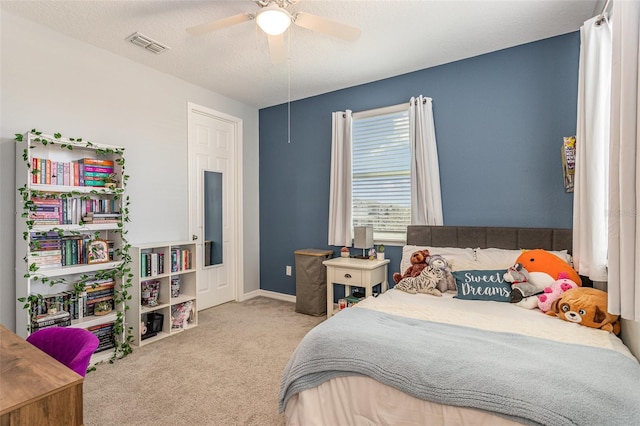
{"type": "Point", "coordinates": [485, 236]}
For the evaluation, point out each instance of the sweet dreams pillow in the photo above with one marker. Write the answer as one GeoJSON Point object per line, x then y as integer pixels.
{"type": "Point", "coordinates": [482, 285]}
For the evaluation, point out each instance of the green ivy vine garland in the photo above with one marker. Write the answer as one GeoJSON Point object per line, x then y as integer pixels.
{"type": "Point", "coordinates": [122, 271]}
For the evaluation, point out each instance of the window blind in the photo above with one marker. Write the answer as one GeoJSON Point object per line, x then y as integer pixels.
{"type": "Point", "coordinates": [381, 174]}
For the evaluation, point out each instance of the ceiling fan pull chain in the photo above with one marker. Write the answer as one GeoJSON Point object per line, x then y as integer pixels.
{"type": "Point", "coordinates": [289, 87]}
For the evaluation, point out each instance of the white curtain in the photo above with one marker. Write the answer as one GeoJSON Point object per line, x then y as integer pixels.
{"type": "Point", "coordinates": [592, 151]}
{"type": "Point", "coordinates": [426, 200]}
{"type": "Point", "coordinates": [340, 189]}
{"type": "Point", "coordinates": [624, 177]}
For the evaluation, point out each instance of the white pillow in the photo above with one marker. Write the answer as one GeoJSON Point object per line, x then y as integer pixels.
{"type": "Point", "coordinates": [460, 259]}
{"type": "Point", "coordinates": [496, 258]}
{"type": "Point", "coordinates": [504, 258]}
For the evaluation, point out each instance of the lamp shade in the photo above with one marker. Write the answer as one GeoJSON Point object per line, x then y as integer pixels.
{"type": "Point", "coordinates": [273, 20]}
{"type": "Point", "coordinates": [362, 237]}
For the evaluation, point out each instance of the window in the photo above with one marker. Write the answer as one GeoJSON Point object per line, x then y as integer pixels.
{"type": "Point", "coordinates": [381, 172]}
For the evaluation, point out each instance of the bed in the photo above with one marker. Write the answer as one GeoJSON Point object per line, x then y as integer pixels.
{"type": "Point", "coordinates": [403, 359]}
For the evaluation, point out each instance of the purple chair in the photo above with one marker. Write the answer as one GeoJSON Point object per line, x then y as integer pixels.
{"type": "Point", "coordinates": [71, 346]}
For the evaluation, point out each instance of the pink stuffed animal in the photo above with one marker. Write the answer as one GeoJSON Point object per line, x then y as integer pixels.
{"type": "Point", "coordinates": [553, 293]}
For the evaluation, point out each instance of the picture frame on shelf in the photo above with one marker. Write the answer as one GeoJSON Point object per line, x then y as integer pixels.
{"type": "Point", "coordinates": [97, 252]}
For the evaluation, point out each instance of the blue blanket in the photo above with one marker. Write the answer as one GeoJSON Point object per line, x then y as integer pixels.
{"type": "Point", "coordinates": [528, 379]}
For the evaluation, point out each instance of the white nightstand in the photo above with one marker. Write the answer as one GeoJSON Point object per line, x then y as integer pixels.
{"type": "Point", "coordinates": [355, 273]}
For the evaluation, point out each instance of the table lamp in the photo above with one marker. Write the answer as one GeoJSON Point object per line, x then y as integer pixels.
{"type": "Point", "coordinates": [363, 239]}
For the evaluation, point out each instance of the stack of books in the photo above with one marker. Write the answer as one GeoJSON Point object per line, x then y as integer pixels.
{"type": "Point", "coordinates": [45, 250]}
{"type": "Point", "coordinates": [95, 172]}
{"type": "Point", "coordinates": [98, 291]}
{"type": "Point", "coordinates": [58, 319]}
{"type": "Point", "coordinates": [45, 211]}
{"type": "Point", "coordinates": [93, 217]}
{"type": "Point", "coordinates": [104, 333]}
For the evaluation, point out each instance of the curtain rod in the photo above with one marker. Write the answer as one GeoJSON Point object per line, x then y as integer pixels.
{"type": "Point", "coordinates": [604, 9]}
{"type": "Point", "coordinates": [383, 110]}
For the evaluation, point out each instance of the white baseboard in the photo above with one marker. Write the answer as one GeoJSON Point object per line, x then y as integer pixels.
{"type": "Point", "coordinates": [271, 294]}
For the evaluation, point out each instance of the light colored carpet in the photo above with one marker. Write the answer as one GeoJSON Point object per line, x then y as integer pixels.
{"type": "Point", "coordinates": [226, 371]}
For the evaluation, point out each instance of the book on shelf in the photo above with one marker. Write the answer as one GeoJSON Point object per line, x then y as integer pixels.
{"type": "Point", "coordinates": [65, 174]}
{"type": "Point", "coordinates": [96, 175]}
{"type": "Point", "coordinates": [34, 169]}
{"type": "Point", "coordinates": [60, 173]}
{"type": "Point", "coordinates": [103, 177]}
{"type": "Point", "coordinates": [94, 182]}
{"type": "Point", "coordinates": [47, 172]}
{"type": "Point", "coordinates": [97, 169]}
{"type": "Point", "coordinates": [96, 162]}
{"type": "Point", "coordinates": [76, 174]}
{"type": "Point", "coordinates": [154, 264]}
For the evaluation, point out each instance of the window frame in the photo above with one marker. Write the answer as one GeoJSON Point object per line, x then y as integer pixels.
{"type": "Point", "coordinates": [387, 238]}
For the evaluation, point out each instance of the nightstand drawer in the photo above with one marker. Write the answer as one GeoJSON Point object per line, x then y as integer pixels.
{"type": "Point", "coordinates": [347, 276]}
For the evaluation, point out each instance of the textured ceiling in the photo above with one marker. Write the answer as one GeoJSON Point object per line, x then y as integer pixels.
{"type": "Point", "coordinates": [398, 36]}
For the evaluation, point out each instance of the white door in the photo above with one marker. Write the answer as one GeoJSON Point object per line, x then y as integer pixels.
{"type": "Point", "coordinates": [214, 140]}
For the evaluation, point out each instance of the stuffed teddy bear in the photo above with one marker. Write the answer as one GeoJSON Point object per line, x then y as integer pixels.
{"type": "Point", "coordinates": [586, 306]}
{"type": "Point", "coordinates": [553, 293]}
{"type": "Point", "coordinates": [447, 282]}
{"type": "Point", "coordinates": [418, 263]}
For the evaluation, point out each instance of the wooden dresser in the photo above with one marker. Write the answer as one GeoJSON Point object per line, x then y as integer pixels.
{"type": "Point", "coordinates": [35, 389]}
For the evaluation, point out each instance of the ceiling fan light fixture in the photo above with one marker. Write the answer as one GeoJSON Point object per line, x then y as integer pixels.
{"type": "Point", "coordinates": [273, 20]}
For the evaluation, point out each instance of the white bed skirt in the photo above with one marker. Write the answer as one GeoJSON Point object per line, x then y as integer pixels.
{"type": "Point", "coordinates": [359, 401]}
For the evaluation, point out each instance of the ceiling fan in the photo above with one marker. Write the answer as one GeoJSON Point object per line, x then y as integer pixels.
{"type": "Point", "coordinates": [274, 19]}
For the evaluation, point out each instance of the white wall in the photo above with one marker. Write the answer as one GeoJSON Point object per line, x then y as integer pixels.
{"type": "Point", "coordinates": [54, 83]}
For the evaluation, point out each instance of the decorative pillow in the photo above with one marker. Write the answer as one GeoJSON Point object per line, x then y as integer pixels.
{"type": "Point", "coordinates": [458, 258]}
{"type": "Point", "coordinates": [483, 285]}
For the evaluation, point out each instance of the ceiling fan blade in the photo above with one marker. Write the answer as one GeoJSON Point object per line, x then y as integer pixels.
{"type": "Point", "coordinates": [326, 26]}
{"type": "Point", "coordinates": [220, 24]}
{"type": "Point", "coordinates": [276, 48]}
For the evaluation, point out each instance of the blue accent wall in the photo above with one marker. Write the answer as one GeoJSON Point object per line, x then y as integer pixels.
{"type": "Point", "coordinates": [499, 118]}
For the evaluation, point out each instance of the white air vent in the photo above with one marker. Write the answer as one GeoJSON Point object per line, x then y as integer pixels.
{"type": "Point", "coordinates": [149, 44]}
